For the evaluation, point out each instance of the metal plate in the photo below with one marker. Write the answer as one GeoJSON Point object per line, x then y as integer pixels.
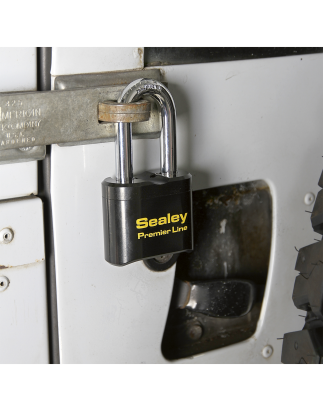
{"type": "Point", "coordinates": [114, 78]}
{"type": "Point", "coordinates": [15, 155]}
{"type": "Point", "coordinates": [33, 119]}
{"type": "Point", "coordinates": [18, 73]}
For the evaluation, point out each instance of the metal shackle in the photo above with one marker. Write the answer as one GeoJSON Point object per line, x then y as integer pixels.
{"type": "Point", "coordinates": [168, 159]}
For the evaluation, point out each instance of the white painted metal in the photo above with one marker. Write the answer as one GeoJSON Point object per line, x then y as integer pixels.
{"type": "Point", "coordinates": [18, 72]}
{"type": "Point", "coordinates": [75, 60]}
{"type": "Point", "coordinates": [23, 305]}
{"type": "Point", "coordinates": [25, 218]}
{"type": "Point", "coordinates": [237, 121]}
{"type": "Point", "coordinates": [18, 180]}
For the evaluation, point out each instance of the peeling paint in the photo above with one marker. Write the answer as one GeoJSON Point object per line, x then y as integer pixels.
{"type": "Point", "coordinates": [2, 267]}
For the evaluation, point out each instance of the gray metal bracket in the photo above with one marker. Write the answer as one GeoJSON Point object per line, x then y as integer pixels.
{"type": "Point", "coordinates": [68, 115]}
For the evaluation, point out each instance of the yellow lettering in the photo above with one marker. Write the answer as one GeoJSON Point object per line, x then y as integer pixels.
{"type": "Point", "coordinates": [168, 231]}
{"type": "Point", "coordinates": [164, 232]}
{"type": "Point", "coordinates": [183, 218]}
{"type": "Point", "coordinates": [153, 222]}
{"type": "Point", "coordinates": [142, 223]}
{"type": "Point", "coordinates": [162, 220]}
{"type": "Point", "coordinates": [185, 228]}
{"type": "Point", "coordinates": [140, 235]}
{"type": "Point", "coordinates": [168, 218]}
{"type": "Point", "coordinates": [175, 218]}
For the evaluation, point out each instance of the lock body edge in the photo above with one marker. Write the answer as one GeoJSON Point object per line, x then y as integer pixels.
{"type": "Point", "coordinates": [148, 218]}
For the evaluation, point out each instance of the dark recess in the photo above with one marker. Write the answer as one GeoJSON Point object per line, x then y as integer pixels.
{"type": "Point", "coordinates": [44, 192]}
{"type": "Point", "coordinates": [232, 239]}
{"type": "Point", "coordinates": [166, 56]}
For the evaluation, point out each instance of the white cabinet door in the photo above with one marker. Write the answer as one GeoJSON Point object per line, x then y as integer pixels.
{"type": "Point", "coordinates": [23, 299]}
{"type": "Point", "coordinates": [237, 121]}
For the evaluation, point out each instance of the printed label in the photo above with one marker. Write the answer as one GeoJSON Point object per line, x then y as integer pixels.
{"type": "Point", "coordinates": [144, 222]}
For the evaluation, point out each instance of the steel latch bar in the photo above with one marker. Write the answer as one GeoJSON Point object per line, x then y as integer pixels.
{"type": "Point", "coordinates": [62, 116]}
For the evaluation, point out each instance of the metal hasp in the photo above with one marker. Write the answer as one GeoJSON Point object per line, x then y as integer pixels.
{"type": "Point", "coordinates": [168, 161]}
{"type": "Point", "coordinates": [64, 117]}
{"type": "Point", "coordinates": [151, 214]}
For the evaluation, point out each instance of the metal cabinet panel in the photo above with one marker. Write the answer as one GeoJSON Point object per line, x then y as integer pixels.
{"type": "Point", "coordinates": [237, 121]}
{"type": "Point", "coordinates": [18, 72]}
{"type": "Point", "coordinates": [75, 60]}
{"type": "Point", "coordinates": [18, 69]}
{"type": "Point", "coordinates": [23, 304]}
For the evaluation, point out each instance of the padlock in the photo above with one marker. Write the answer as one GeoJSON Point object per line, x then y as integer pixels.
{"type": "Point", "coordinates": [148, 215]}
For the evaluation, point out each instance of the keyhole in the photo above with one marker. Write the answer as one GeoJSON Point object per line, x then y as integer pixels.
{"type": "Point", "coordinates": [2, 284]}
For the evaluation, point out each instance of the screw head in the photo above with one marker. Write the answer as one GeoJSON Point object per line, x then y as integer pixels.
{"type": "Point", "coordinates": [267, 351]}
{"type": "Point", "coordinates": [4, 283]}
{"type": "Point", "coordinates": [309, 198]}
{"type": "Point", "coordinates": [6, 236]}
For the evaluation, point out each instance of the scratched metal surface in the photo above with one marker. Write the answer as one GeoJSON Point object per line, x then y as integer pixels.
{"type": "Point", "coordinates": [44, 118]}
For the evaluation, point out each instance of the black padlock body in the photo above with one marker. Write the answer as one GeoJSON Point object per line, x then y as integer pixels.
{"type": "Point", "coordinates": [145, 219]}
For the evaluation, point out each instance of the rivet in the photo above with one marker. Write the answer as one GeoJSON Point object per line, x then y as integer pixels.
{"type": "Point", "coordinates": [267, 351]}
{"type": "Point", "coordinates": [195, 332]}
{"type": "Point", "coordinates": [6, 236]}
{"type": "Point", "coordinates": [309, 198]}
{"type": "Point", "coordinates": [25, 148]}
{"type": "Point", "coordinates": [4, 283]}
